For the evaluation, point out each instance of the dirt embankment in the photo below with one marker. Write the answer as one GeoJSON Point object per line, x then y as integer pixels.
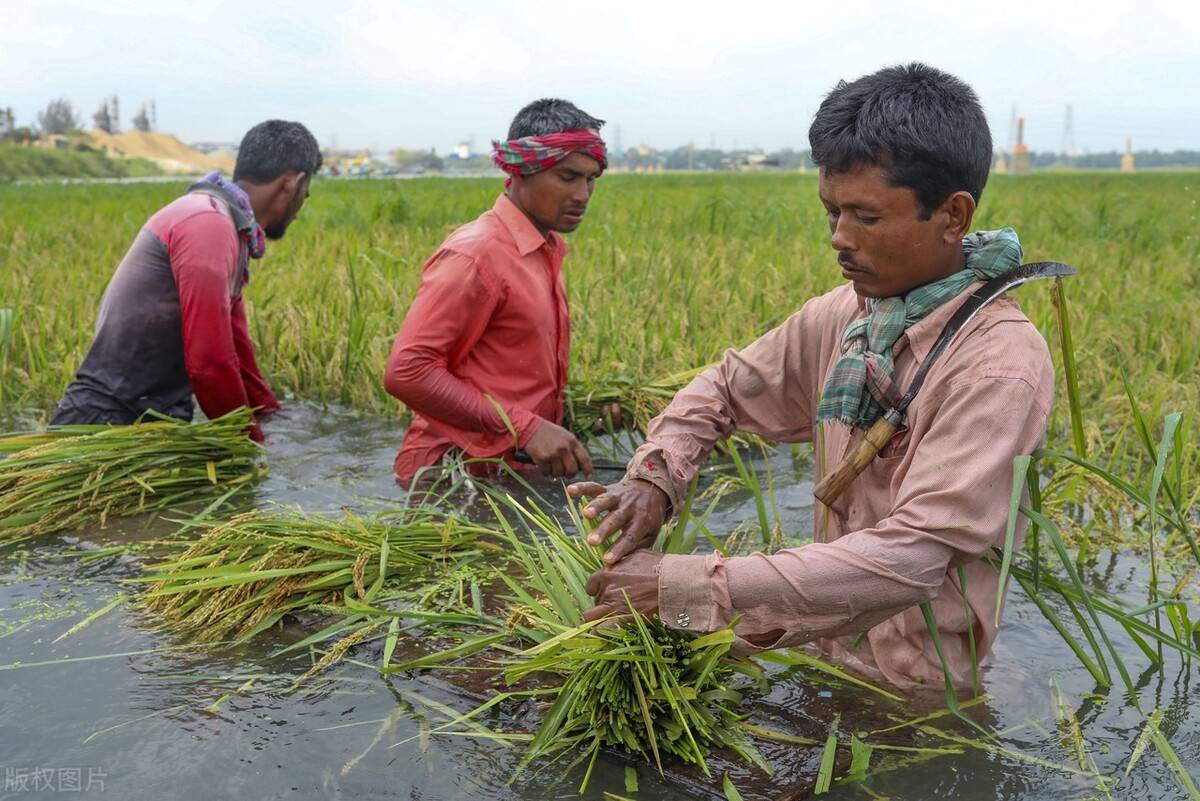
{"type": "Point", "coordinates": [163, 149]}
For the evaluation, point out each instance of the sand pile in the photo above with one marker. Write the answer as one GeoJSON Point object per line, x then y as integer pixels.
{"type": "Point", "coordinates": [163, 149]}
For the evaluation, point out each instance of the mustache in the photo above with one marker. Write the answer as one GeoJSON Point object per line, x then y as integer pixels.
{"type": "Point", "coordinates": [845, 260]}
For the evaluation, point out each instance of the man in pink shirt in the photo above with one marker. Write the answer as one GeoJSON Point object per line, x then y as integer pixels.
{"type": "Point", "coordinates": [904, 155]}
{"type": "Point", "coordinates": [481, 358]}
{"type": "Point", "coordinates": [172, 322]}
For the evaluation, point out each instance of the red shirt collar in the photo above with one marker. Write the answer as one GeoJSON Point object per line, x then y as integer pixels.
{"type": "Point", "coordinates": [524, 233]}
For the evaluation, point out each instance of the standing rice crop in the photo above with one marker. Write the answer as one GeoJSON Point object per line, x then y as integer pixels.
{"type": "Point", "coordinates": [75, 476]}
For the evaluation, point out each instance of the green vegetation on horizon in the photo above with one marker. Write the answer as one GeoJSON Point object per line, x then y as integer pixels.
{"type": "Point", "coordinates": [18, 161]}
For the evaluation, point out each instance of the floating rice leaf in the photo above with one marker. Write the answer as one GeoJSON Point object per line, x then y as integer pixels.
{"type": "Point", "coordinates": [825, 772]}
{"type": "Point", "coordinates": [389, 646]}
{"type": "Point", "coordinates": [87, 621]}
{"type": "Point", "coordinates": [860, 759]}
{"type": "Point", "coordinates": [731, 792]}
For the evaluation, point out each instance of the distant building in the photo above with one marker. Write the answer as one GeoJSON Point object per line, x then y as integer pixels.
{"type": "Point", "coordinates": [215, 147]}
{"type": "Point", "coordinates": [757, 162]}
{"type": "Point", "coordinates": [53, 142]}
{"type": "Point", "coordinates": [462, 151]}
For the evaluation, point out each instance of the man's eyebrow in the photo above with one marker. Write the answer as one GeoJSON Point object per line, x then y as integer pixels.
{"type": "Point", "coordinates": [851, 205]}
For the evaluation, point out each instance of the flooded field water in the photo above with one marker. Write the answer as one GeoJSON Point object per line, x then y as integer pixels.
{"type": "Point", "coordinates": [119, 710]}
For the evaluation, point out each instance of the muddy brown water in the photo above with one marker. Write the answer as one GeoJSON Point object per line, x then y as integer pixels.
{"type": "Point", "coordinates": [120, 710]}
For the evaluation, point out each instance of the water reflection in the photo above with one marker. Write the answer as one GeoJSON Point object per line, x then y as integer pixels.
{"type": "Point", "coordinates": [185, 722]}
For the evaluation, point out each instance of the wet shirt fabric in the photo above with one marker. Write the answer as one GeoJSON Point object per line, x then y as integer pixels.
{"type": "Point", "coordinates": [935, 500]}
{"type": "Point", "coordinates": [172, 322]}
{"type": "Point", "coordinates": [484, 345]}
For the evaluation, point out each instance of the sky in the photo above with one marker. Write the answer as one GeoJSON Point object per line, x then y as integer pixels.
{"type": "Point", "coordinates": [419, 74]}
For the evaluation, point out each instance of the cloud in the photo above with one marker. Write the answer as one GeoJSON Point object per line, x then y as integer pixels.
{"type": "Point", "coordinates": [421, 72]}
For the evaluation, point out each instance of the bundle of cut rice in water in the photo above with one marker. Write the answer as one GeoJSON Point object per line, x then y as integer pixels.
{"type": "Point", "coordinates": [81, 475]}
{"type": "Point", "coordinates": [637, 686]}
{"type": "Point", "coordinates": [241, 577]}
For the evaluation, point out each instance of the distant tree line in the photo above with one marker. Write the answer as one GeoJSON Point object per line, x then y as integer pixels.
{"type": "Point", "coordinates": [60, 117]}
{"type": "Point", "coordinates": [1112, 159]}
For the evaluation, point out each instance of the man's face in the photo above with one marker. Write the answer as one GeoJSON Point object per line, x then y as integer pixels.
{"type": "Point", "coordinates": [556, 199]}
{"type": "Point", "coordinates": [883, 245]}
{"type": "Point", "coordinates": [293, 193]}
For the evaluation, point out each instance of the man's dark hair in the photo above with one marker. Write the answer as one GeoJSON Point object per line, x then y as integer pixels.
{"type": "Point", "coordinates": [271, 148]}
{"type": "Point", "coordinates": [924, 127]}
{"type": "Point", "coordinates": [550, 115]}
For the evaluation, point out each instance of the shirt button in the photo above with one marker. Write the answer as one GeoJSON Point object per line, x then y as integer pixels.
{"type": "Point", "coordinates": [683, 619]}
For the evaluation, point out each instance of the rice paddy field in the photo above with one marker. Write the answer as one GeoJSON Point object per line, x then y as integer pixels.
{"type": "Point", "coordinates": [1091, 692]}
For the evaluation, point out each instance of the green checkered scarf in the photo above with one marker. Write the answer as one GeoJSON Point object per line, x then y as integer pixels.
{"type": "Point", "coordinates": [861, 387]}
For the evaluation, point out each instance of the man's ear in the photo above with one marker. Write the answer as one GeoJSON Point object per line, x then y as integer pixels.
{"type": "Point", "coordinates": [959, 209]}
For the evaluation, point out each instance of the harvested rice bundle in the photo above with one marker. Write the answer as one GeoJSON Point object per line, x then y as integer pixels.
{"type": "Point", "coordinates": [243, 576]}
{"type": "Point", "coordinates": [72, 476]}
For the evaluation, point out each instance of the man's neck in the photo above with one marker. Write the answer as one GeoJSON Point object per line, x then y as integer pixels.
{"type": "Point", "coordinates": [257, 200]}
{"type": "Point", "coordinates": [955, 262]}
{"type": "Point", "coordinates": [545, 232]}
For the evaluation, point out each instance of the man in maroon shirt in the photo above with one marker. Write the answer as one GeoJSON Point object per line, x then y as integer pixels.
{"type": "Point", "coordinates": [482, 355]}
{"type": "Point", "coordinates": [172, 323]}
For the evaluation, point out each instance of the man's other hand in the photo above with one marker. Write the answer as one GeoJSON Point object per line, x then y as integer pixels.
{"type": "Point", "coordinates": [637, 508]}
{"type": "Point", "coordinates": [556, 451]}
{"type": "Point", "coordinates": [635, 578]}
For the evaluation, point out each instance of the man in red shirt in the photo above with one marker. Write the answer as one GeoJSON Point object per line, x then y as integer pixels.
{"type": "Point", "coordinates": [481, 358]}
{"type": "Point", "coordinates": [172, 322]}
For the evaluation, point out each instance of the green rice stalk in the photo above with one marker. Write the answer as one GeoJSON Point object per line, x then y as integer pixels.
{"type": "Point", "coordinates": [1176, 764]}
{"type": "Point", "coordinates": [1085, 596]}
{"type": "Point", "coordinates": [1020, 470]}
{"type": "Point", "coordinates": [1063, 320]}
{"type": "Point", "coordinates": [951, 696]}
{"type": "Point", "coordinates": [70, 477]}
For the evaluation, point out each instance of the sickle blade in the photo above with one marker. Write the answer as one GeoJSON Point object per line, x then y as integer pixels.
{"type": "Point", "coordinates": [979, 298]}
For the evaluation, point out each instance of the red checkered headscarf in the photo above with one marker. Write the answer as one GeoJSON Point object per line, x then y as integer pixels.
{"type": "Point", "coordinates": [533, 154]}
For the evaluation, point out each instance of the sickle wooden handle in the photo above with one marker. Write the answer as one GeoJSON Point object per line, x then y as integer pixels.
{"type": "Point", "coordinates": [834, 484]}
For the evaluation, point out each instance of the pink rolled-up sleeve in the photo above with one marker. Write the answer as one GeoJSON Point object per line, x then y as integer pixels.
{"type": "Point", "coordinates": [761, 389]}
{"type": "Point", "coordinates": [950, 508]}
